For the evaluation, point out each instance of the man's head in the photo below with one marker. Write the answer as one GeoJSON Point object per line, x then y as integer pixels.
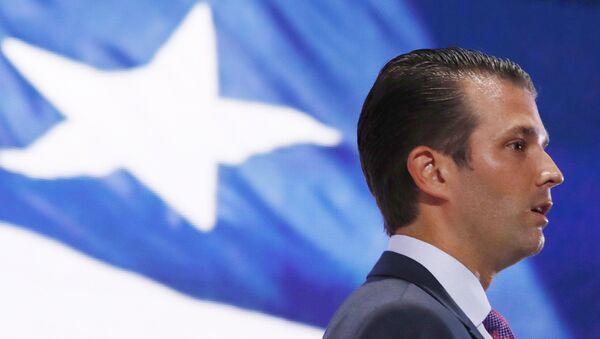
{"type": "Point", "coordinates": [432, 131]}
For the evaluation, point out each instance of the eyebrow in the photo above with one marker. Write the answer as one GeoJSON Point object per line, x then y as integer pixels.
{"type": "Point", "coordinates": [529, 131]}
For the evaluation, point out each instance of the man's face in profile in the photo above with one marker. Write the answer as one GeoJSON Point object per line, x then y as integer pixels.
{"type": "Point", "coordinates": [504, 196]}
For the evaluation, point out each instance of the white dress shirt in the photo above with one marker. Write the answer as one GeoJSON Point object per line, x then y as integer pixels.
{"type": "Point", "coordinates": [460, 283]}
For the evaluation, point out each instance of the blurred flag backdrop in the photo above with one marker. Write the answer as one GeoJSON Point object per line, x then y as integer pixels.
{"type": "Point", "coordinates": [173, 168]}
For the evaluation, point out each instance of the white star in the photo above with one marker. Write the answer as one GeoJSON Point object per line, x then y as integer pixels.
{"type": "Point", "coordinates": [164, 122]}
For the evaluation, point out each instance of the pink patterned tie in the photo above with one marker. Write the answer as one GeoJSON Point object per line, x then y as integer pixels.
{"type": "Point", "coordinates": [497, 326]}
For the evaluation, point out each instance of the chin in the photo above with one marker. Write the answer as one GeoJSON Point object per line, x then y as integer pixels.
{"type": "Point", "coordinates": [535, 244]}
{"type": "Point", "coordinates": [527, 247]}
{"type": "Point", "coordinates": [540, 246]}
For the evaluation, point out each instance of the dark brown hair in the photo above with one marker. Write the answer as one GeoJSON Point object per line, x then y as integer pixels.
{"type": "Point", "coordinates": [417, 99]}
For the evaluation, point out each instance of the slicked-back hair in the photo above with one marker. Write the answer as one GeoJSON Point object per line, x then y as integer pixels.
{"type": "Point", "coordinates": [418, 99]}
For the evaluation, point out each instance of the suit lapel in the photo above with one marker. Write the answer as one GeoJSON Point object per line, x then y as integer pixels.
{"type": "Point", "coordinates": [394, 265]}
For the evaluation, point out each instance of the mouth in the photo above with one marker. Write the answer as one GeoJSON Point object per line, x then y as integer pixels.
{"type": "Point", "coordinates": [542, 208]}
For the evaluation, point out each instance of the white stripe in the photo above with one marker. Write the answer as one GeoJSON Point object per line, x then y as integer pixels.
{"type": "Point", "coordinates": [50, 291]}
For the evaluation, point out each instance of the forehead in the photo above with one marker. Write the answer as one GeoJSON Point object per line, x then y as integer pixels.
{"type": "Point", "coordinates": [502, 107]}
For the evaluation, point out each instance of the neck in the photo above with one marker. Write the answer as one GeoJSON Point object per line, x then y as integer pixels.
{"type": "Point", "coordinates": [448, 240]}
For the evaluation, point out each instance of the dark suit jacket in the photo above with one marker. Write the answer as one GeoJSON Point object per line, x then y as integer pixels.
{"type": "Point", "coordinates": [400, 299]}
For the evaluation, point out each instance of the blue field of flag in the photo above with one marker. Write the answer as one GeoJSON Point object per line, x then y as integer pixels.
{"type": "Point", "coordinates": [210, 146]}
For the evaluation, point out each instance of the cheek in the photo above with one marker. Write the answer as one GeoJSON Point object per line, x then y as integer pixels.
{"type": "Point", "coordinates": [492, 194]}
{"type": "Point", "coordinates": [499, 175]}
{"type": "Point", "coordinates": [504, 210]}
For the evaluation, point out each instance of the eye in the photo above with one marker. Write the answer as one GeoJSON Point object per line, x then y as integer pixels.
{"type": "Point", "coordinates": [519, 145]}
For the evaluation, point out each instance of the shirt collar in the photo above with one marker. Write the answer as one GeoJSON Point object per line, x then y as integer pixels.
{"type": "Point", "coordinates": [460, 283]}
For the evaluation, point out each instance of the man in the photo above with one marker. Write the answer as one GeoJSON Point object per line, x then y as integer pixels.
{"type": "Point", "coordinates": [453, 150]}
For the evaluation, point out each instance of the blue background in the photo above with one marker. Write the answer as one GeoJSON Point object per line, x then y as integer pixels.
{"type": "Point", "coordinates": [296, 228]}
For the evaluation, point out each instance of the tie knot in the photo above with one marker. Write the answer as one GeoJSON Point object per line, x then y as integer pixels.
{"type": "Point", "coordinates": [497, 326]}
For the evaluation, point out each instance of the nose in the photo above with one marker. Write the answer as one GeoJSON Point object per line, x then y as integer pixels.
{"type": "Point", "coordinates": [550, 175]}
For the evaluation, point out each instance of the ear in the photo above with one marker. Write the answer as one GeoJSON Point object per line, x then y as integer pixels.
{"type": "Point", "coordinates": [429, 170]}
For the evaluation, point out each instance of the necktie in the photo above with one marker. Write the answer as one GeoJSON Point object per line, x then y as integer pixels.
{"type": "Point", "coordinates": [497, 326]}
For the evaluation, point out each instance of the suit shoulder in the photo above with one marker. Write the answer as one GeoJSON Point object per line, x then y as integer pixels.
{"type": "Point", "coordinates": [378, 309]}
{"type": "Point", "coordinates": [406, 320]}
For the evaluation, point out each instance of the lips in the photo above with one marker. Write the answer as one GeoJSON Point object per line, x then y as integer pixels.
{"type": "Point", "coordinates": [542, 208]}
